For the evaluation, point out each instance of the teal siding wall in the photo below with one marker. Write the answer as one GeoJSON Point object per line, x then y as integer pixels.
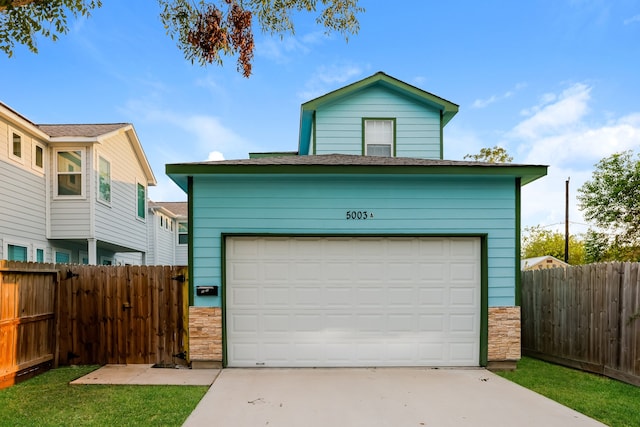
{"type": "Point", "coordinates": [339, 124]}
{"type": "Point", "coordinates": [317, 205]}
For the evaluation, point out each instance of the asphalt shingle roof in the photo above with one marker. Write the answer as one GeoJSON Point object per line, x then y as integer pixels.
{"type": "Point", "coordinates": [80, 130]}
{"type": "Point", "coordinates": [347, 160]}
{"type": "Point", "coordinates": [177, 208]}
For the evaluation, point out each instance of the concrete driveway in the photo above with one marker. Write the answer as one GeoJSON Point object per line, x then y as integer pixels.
{"type": "Point", "coordinates": [375, 397]}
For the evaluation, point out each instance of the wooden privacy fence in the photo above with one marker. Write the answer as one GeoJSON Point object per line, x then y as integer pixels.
{"type": "Point", "coordinates": [78, 314]}
{"type": "Point", "coordinates": [27, 320]}
{"type": "Point", "coordinates": [586, 317]}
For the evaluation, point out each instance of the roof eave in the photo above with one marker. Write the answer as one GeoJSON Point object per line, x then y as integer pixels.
{"type": "Point", "coordinates": [179, 172]}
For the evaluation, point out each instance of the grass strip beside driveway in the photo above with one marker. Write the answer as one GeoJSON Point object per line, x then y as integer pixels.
{"type": "Point", "coordinates": [49, 400]}
{"type": "Point", "coordinates": [609, 401]}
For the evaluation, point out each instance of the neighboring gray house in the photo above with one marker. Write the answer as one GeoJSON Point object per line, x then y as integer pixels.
{"type": "Point", "coordinates": [72, 193]}
{"type": "Point", "coordinates": [168, 233]}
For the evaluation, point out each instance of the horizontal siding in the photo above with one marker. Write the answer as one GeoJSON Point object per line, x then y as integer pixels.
{"type": "Point", "coordinates": [117, 223]}
{"type": "Point", "coordinates": [318, 205]}
{"type": "Point", "coordinates": [339, 124]}
{"type": "Point", "coordinates": [22, 209]}
{"type": "Point", "coordinates": [70, 219]}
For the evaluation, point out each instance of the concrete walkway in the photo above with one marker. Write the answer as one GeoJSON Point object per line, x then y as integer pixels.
{"type": "Point", "coordinates": [393, 397]}
{"type": "Point", "coordinates": [147, 375]}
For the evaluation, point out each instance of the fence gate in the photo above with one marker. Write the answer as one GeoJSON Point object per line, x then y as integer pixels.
{"type": "Point", "coordinates": [122, 314]}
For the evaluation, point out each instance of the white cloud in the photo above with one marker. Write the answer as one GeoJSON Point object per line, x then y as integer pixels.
{"type": "Point", "coordinates": [482, 103]}
{"type": "Point", "coordinates": [280, 50]}
{"type": "Point", "coordinates": [556, 115]}
{"type": "Point", "coordinates": [632, 20]}
{"type": "Point", "coordinates": [558, 133]}
{"type": "Point", "coordinates": [328, 78]}
{"type": "Point", "coordinates": [215, 156]}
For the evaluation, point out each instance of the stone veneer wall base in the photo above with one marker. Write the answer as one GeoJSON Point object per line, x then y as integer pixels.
{"type": "Point", "coordinates": [504, 338]}
{"type": "Point", "coordinates": [205, 337]}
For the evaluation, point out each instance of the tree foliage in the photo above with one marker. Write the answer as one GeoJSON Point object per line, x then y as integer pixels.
{"type": "Point", "coordinates": [601, 247]}
{"type": "Point", "coordinates": [21, 21]}
{"type": "Point", "coordinates": [611, 198]}
{"type": "Point", "coordinates": [491, 155]}
{"type": "Point", "coordinates": [205, 30]}
{"type": "Point", "coordinates": [538, 241]}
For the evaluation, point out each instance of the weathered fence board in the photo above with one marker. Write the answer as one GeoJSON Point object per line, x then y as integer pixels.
{"type": "Point", "coordinates": [122, 314]}
{"type": "Point", "coordinates": [587, 317]}
{"type": "Point", "coordinates": [78, 314]}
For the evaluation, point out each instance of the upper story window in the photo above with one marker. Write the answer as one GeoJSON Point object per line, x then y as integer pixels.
{"type": "Point", "coordinates": [69, 173]}
{"type": "Point", "coordinates": [141, 196]}
{"type": "Point", "coordinates": [16, 146]}
{"type": "Point", "coordinates": [183, 233]}
{"type": "Point", "coordinates": [38, 157]}
{"type": "Point", "coordinates": [379, 137]}
{"type": "Point", "coordinates": [104, 180]}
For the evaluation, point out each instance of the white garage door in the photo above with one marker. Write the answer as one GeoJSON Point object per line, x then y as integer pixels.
{"type": "Point", "coordinates": [352, 301]}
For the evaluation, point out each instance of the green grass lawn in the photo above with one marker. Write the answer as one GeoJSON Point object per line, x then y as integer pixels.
{"type": "Point", "coordinates": [49, 400]}
{"type": "Point", "coordinates": [609, 401]}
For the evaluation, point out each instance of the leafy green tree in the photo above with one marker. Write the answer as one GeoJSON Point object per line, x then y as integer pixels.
{"type": "Point", "coordinates": [22, 20]}
{"type": "Point", "coordinates": [491, 155]}
{"type": "Point", "coordinates": [600, 247]}
{"type": "Point", "coordinates": [538, 241]}
{"type": "Point", "coordinates": [205, 30]}
{"type": "Point", "coordinates": [611, 198]}
{"type": "Point", "coordinates": [596, 246]}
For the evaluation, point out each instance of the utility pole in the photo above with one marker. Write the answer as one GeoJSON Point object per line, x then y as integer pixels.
{"type": "Point", "coordinates": [566, 223]}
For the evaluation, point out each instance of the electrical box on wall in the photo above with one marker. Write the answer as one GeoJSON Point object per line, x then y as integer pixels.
{"type": "Point", "coordinates": [207, 291]}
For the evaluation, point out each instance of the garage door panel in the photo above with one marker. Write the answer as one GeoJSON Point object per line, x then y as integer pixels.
{"type": "Point", "coordinates": [340, 302]}
{"type": "Point", "coordinates": [433, 296]}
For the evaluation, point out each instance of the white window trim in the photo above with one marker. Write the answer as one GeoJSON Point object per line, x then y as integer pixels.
{"type": "Point", "coordinates": [62, 251]}
{"type": "Point", "coordinates": [392, 144]}
{"type": "Point", "coordinates": [83, 177]}
{"type": "Point", "coordinates": [34, 166]}
{"type": "Point", "coordinates": [178, 233]}
{"type": "Point", "coordinates": [35, 253]}
{"type": "Point", "coordinates": [23, 145]}
{"type": "Point", "coordinates": [146, 207]}
{"type": "Point", "coordinates": [22, 244]}
{"type": "Point", "coordinates": [98, 193]}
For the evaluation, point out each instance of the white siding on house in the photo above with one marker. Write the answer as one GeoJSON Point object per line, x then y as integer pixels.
{"type": "Point", "coordinates": [70, 217]}
{"type": "Point", "coordinates": [22, 197]}
{"type": "Point", "coordinates": [339, 125]}
{"type": "Point", "coordinates": [162, 240]}
{"type": "Point", "coordinates": [118, 223]}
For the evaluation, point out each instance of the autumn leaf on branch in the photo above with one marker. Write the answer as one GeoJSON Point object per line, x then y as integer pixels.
{"type": "Point", "coordinates": [206, 31]}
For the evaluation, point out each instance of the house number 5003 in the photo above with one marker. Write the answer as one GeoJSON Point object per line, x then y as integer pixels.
{"type": "Point", "coordinates": [359, 215]}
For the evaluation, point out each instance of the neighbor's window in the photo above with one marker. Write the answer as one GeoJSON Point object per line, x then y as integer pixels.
{"type": "Point", "coordinates": [378, 137]}
{"type": "Point", "coordinates": [63, 257]}
{"type": "Point", "coordinates": [17, 145]}
{"type": "Point", "coordinates": [38, 156]}
{"type": "Point", "coordinates": [141, 205]}
{"type": "Point", "coordinates": [69, 170]}
{"type": "Point", "coordinates": [183, 233]}
{"type": "Point", "coordinates": [17, 253]}
{"type": "Point", "coordinates": [104, 180]}
{"type": "Point", "coordinates": [39, 255]}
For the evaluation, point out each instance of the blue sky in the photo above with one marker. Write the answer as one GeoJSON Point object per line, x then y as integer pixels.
{"type": "Point", "coordinates": [554, 82]}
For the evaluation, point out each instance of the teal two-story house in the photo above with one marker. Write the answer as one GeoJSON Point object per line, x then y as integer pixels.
{"type": "Point", "coordinates": [363, 248]}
